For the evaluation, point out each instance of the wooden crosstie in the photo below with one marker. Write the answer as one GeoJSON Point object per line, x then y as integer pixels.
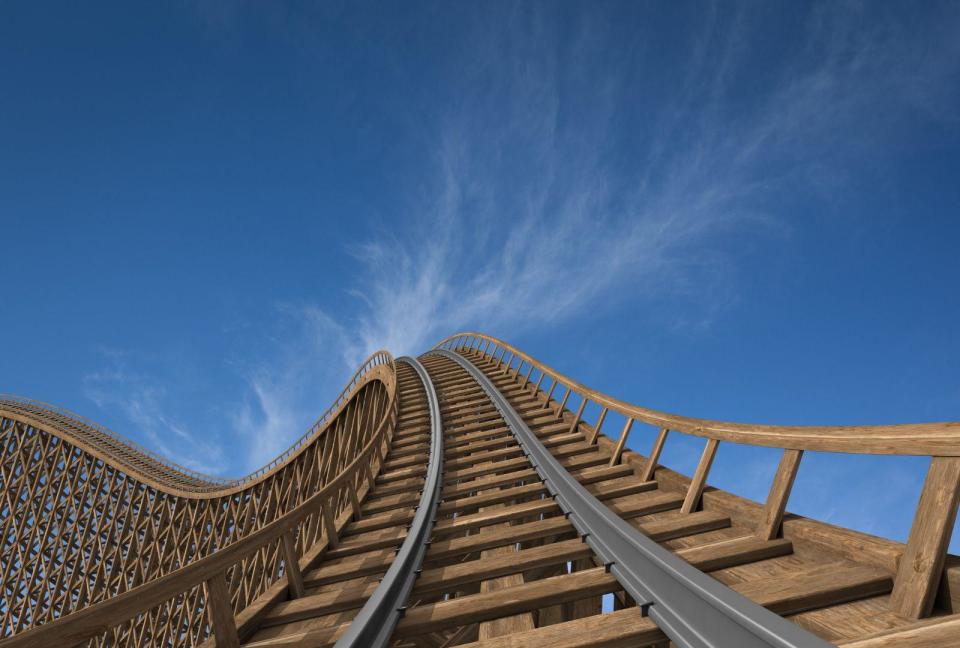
{"type": "Point", "coordinates": [106, 544]}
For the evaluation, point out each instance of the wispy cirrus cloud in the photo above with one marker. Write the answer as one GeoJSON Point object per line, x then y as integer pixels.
{"type": "Point", "coordinates": [143, 401]}
{"type": "Point", "coordinates": [288, 383]}
{"type": "Point", "coordinates": [561, 181]}
{"type": "Point", "coordinates": [534, 211]}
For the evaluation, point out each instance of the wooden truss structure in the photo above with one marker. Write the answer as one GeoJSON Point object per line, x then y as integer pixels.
{"type": "Point", "coordinates": [471, 497]}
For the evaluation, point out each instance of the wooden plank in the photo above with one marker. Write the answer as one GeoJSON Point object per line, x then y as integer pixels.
{"type": "Point", "coordinates": [821, 587]}
{"type": "Point", "coordinates": [379, 521]}
{"type": "Point", "coordinates": [624, 628]}
{"type": "Point", "coordinates": [320, 604]}
{"type": "Point", "coordinates": [374, 562]}
{"type": "Point", "coordinates": [443, 549]}
{"type": "Point", "coordinates": [494, 516]}
{"type": "Point", "coordinates": [772, 516]}
{"type": "Point", "coordinates": [935, 633]}
{"type": "Point", "coordinates": [445, 579]}
{"type": "Point", "coordinates": [500, 579]}
{"type": "Point", "coordinates": [504, 602]}
{"type": "Point", "coordinates": [735, 551]}
{"type": "Point", "coordinates": [921, 566]}
{"type": "Point", "coordinates": [362, 543]}
{"type": "Point", "coordinates": [645, 504]}
{"type": "Point", "coordinates": [587, 476]}
{"type": "Point", "coordinates": [602, 491]}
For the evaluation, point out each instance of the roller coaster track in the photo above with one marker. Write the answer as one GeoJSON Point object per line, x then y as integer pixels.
{"type": "Point", "coordinates": [468, 497]}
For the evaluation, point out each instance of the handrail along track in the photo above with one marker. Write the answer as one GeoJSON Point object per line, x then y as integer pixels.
{"type": "Point", "coordinates": [918, 569]}
{"type": "Point", "coordinates": [150, 527]}
{"type": "Point", "coordinates": [693, 609]}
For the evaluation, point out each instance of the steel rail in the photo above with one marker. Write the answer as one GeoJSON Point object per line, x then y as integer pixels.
{"type": "Point", "coordinates": [690, 607]}
{"type": "Point", "coordinates": [374, 624]}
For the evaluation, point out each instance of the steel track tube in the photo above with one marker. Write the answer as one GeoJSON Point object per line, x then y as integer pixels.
{"type": "Point", "coordinates": [373, 626]}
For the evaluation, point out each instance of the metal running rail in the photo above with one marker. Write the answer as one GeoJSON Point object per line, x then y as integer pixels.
{"type": "Point", "coordinates": [374, 624]}
{"type": "Point", "coordinates": [690, 607]}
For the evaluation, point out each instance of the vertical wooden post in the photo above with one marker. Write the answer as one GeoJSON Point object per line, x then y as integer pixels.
{"type": "Point", "coordinates": [291, 564]}
{"type": "Point", "coordinates": [536, 388]}
{"type": "Point", "coordinates": [563, 405]}
{"type": "Point", "coordinates": [921, 566]}
{"type": "Point", "coordinates": [527, 379]}
{"type": "Point", "coordinates": [221, 613]}
{"type": "Point", "coordinates": [598, 425]}
{"type": "Point", "coordinates": [618, 450]}
{"type": "Point", "coordinates": [368, 467]}
{"type": "Point", "coordinates": [328, 524]}
{"type": "Point", "coordinates": [546, 403]}
{"type": "Point", "coordinates": [647, 473]}
{"type": "Point", "coordinates": [577, 416]}
{"type": "Point", "coordinates": [699, 480]}
{"type": "Point", "coordinates": [772, 516]}
{"type": "Point", "coordinates": [354, 500]}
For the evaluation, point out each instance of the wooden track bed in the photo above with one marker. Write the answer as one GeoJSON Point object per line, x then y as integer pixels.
{"type": "Point", "coordinates": [505, 569]}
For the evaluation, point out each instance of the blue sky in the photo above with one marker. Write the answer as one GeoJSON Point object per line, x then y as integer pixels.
{"type": "Point", "coordinates": [211, 212]}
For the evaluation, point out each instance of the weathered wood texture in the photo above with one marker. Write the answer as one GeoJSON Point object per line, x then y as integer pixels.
{"type": "Point", "coordinates": [922, 563]}
{"type": "Point", "coordinates": [504, 568]}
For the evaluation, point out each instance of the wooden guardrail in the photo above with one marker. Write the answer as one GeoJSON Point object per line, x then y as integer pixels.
{"type": "Point", "coordinates": [921, 565]}
{"type": "Point", "coordinates": [177, 604]}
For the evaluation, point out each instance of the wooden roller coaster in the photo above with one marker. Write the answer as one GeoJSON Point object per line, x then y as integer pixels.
{"type": "Point", "coordinates": [470, 497]}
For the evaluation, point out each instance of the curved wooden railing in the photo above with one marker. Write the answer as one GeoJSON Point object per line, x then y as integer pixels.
{"type": "Point", "coordinates": [212, 571]}
{"type": "Point", "coordinates": [196, 592]}
{"type": "Point", "coordinates": [90, 524]}
{"type": "Point", "coordinates": [922, 563]}
{"type": "Point", "coordinates": [153, 468]}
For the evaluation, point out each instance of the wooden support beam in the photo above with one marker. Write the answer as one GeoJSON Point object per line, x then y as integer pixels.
{"type": "Point", "coordinates": [921, 565]}
{"type": "Point", "coordinates": [772, 516]}
{"type": "Point", "coordinates": [221, 613]}
{"type": "Point", "coordinates": [577, 416]}
{"type": "Point", "coordinates": [621, 443]}
{"type": "Point", "coordinates": [648, 469]}
{"type": "Point", "coordinates": [692, 500]}
{"type": "Point", "coordinates": [598, 425]}
{"type": "Point", "coordinates": [291, 565]}
{"type": "Point", "coordinates": [328, 525]}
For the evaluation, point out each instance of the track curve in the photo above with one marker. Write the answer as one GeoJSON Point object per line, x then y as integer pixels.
{"type": "Point", "coordinates": [531, 519]}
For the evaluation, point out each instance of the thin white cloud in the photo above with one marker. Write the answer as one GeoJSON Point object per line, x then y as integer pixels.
{"type": "Point", "coordinates": [290, 382]}
{"type": "Point", "coordinates": [532, 217]}
{"type": "Point", "coordinates": [144, 403]}
{"type": "Point", "coordinates": [529, 211]}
